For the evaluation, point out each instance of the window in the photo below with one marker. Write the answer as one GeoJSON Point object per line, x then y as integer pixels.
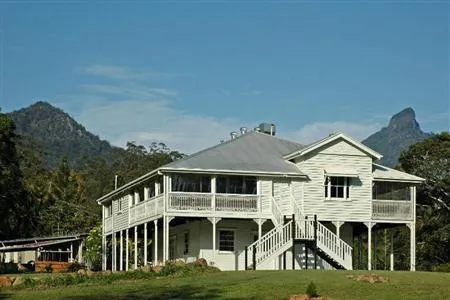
{"type": "Point", "coordinates": [191, 183]}
{"type": "Point", "coordinates": [391, 191]}
{"type": "Point", "coordinates": [186, 243]}
{"type": "Point", "coordinates": [226, 240]}
{"type": "Point", "coordinates": [337, 187]}
{"type": "Point", "coordinates": [236, 184]}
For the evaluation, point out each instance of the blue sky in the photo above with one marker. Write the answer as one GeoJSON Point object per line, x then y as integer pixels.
{"type": "Point", "coordinates": [189, 73]}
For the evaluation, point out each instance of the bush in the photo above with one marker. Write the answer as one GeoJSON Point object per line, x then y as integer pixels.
{"type": "Point", "coordinates": [74, 267]}
{"type": "Point", "coordinates": [442, 268]}
{"type": "Point", "coordinates": [311, 290]}
{"type": "Point", "coordinates": [48, 268]}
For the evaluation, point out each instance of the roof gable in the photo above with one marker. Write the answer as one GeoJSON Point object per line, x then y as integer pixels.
{"type": "Point", "coordinates": [330, 139]}
{"type": "Point", "coordinates": [252, 152]}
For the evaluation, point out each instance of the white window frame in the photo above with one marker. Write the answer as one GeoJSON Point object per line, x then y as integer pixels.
{"type": "Point", "coordinates": [234, 240]}
{"type": "Point", "coordinates": [347, 187]}
{"type": "Point", "coordinates": [119, 205]}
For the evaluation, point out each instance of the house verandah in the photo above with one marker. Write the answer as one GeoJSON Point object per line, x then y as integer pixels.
{"type": "Point", "coordinates": [217, 216]}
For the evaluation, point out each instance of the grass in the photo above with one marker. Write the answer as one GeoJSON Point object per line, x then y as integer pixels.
{"type": "Point", "coordinates": [250, 285]}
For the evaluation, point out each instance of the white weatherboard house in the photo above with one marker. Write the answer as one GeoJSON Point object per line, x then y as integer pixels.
{"type": "Point", "coordinates": [258, 201]}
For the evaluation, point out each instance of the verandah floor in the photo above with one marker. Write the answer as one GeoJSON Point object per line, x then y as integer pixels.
{"type": "Point", "coordinates": [256, 285]}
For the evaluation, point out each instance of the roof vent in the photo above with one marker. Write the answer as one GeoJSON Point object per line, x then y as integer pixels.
{"type": "Point", "coordinates": [233, 135]}
{"type": "Point", "coordinates": [267, 128]}
{"type": "Point", "coordinates": [243, 130]}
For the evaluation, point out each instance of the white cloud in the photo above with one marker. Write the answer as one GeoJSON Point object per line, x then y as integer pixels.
{"type": "Point", "coordinates": [124, 73]}
{"type": "Point", "coordinates": [318, 130]}
{"type": "Point", "coordinates": [147, 121]}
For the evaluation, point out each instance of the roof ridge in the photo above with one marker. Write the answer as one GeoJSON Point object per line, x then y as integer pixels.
{"type": "Point", "coordinates": [280, 139]}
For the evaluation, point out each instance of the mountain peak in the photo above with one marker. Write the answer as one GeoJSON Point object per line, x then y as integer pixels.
{"type": "Point", "coordinates": [406, 119]}
{"type": "Point", "coordinates": [58, 133]}
{"type": "Point", "coordinates": [402, 131]}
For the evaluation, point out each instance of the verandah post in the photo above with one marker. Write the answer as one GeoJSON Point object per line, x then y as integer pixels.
{"type": "Point", "coordinates": [293, 241]}
{"type": "Point", "coordinates": [254, 257]}
{"type": "Point", "coordinates": [315, 241]}
{"type": "Point", "coordinates": [246, 258]}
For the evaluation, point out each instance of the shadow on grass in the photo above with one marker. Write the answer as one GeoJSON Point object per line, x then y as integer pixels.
{"type": "Point", "coordinates": [4, 295]}
{"type": "Point", "coordinates": [163, 293]}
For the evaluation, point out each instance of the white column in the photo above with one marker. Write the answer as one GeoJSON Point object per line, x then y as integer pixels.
{"type": "Point", "coordinates": [126, 249]}
{"type": "Point", "coordinates": [166, 232]}
{"type": "Point", "coordinates": [145, 193]}
{"type": "Point", "coordinates": [337, 225]}
{"type": "Point", "coordinates": [214, 221]}
{"type": "Point", "coordinates": [121, 251]}
{"type": "Point", "coordinates": [71, 252]}
{"type": "Point", "coordinates": [113, 251]}
{"type": "Point", "coordinates": [80, 252]}
{"type": "Point", "coordinates": [214, 239]}
{"type": "Point", "coordinates": [369, 244]}
{"type": "Point", "coordinates": [104, 258]}
{"type": "Point", "coordinates": [413, 231]}
{"type": "Point", "coordinates": [392, 253]}
{"type": "Point", "coordinates": [103, 240]}
{"type": "Point", "coordinates": [135, 248]}
{"type": "Point", "coordinates": [412, 227]}
{"type": "Point", "coordinates": [145, 243]}
{"type": "Point", "coordinates": [155, 238]}
{"type": "Point", "coordinates": [260, 222]}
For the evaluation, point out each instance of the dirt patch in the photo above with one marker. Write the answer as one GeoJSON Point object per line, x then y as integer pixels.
{"type": "Point", "coordinates": [372, 278]}
{"type": "Point", "coordinates": [306, 297]}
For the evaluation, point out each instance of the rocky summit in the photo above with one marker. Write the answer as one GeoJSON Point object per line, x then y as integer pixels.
{"type": "Point", "coordinates": [402, 131]}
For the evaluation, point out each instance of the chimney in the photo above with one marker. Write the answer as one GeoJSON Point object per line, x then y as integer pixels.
{"type": "Point", "coordinates": [233, 135]}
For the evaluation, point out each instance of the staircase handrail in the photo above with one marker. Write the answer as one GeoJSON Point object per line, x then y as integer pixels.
{"type": "Point", "coordinates": [276, 212]}
{"type": "Point", "coordinates": [328, 240]}
{"type": "Point", "coordinates": [270, 243]}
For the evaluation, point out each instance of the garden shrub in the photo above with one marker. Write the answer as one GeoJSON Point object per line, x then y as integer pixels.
{"type": "Point", "coordinates": [311, 290]}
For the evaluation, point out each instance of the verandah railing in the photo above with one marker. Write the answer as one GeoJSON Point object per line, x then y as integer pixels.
{"type": "Point", "coordinates": [147, 209]}
{"type": "Point", "coordinates": [392, 209]}
{"type": "Point", "coordinates": [181, 201]}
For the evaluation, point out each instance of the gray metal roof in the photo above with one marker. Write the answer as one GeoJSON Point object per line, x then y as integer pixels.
{"type": "Point", "coordinates": [251, 152]}
{"type": "Point", "coordinates": [384, 173]}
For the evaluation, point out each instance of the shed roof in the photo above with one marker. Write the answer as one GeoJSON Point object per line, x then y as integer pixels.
{"type": "Point", "coordinates": [383, 173]}
{"type": "Point", "coordinates": [251, 152]}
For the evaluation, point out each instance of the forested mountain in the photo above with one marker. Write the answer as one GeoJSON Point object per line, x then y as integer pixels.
{"type": "Point", "coordinates": [58, 135]}
{"type": "Point", "coordinates": [53, 170]}
{"type": "Point", "coordinates": [401, 132]}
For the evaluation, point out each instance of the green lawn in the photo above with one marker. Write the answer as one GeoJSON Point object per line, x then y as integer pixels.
{"type": "Point", "coordinates": [254, 285]}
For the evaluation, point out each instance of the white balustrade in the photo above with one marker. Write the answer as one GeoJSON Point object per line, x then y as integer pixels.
{"type": "Point", "coordinates": [276, 212]}
{"type": "Point", "coordinates": [279, 238]}
{"type": "Point", "coordinates": [240, 203]}
{"type": "Point", "coordinates": [146, 209]}
{"type": "Point", "coordinates": [180, 201]}
{"type": "Point", "coordinates": [392, 209]}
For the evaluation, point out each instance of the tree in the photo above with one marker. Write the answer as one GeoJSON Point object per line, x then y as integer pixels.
{"type": "Point", "coordinates": [13, 197]}
{"type": "Point", "coordinates": [94, 248]}
{"type": "Point", "coordinates": [430, 159]}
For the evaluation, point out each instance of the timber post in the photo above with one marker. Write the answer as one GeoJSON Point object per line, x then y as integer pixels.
{"type": "Point", "coordinates": [254, 257]}
{"type": "Point", "coordinates": [315, 241]}
{"type": "Point", "coordinates": [246, 258]}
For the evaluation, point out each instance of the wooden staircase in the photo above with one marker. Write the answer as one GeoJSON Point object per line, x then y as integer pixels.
{"type": "Point", "coordinates": [299, 230]}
